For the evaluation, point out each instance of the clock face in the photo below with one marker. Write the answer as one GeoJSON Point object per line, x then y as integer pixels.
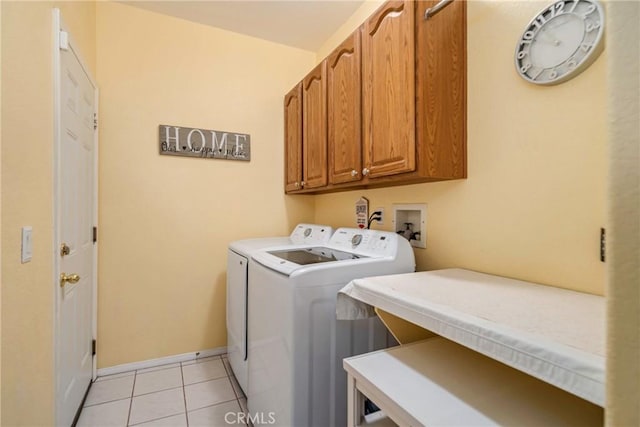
{"type": "Point", "coordinates": [560, 42]}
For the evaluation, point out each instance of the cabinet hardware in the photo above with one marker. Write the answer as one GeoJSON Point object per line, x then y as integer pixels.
{"type": "Point", "coordinates": [437, 8]}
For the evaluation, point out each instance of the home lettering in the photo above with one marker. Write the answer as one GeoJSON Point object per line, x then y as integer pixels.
{"type": "Point", "coordinates": [204, 143]}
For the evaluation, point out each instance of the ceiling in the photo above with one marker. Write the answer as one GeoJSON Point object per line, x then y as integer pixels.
{"type": "Point", "coordinates": [305, 24]}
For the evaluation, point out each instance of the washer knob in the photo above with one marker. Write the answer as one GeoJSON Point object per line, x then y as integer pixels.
{"type": "Point", "coordinates": [307, 232]}
{"type": "Point", "coordinates": [356, 239]}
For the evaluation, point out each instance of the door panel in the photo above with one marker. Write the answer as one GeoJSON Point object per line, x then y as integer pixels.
{"type": "Point", "coordinates": [441, 101]}
{"type": "Point", "coordinates": [293, 138]}
{"type": "Point", "coordinates": [344, 111]}
{"type": "Point", "coordinates": [314, 125]}
{"type": "Point", "coordinates": [76, 171]}
{"type": "Point", "coordinates": [389, 91]}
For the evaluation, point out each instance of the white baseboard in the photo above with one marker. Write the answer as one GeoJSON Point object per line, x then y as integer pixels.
{"type": "Point", "coordinates": [152, 363]}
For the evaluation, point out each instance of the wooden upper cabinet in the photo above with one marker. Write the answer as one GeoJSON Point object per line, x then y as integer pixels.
{"type": "Point", "coordinates": [344, 111]}
{"type": "Point", "coordinates": [389, 90]}
{"type": "Point", "coordinates": [293, 139]}
{"type": "Point", "coordinates": [386, 107]}
{"type": "Point", "coordinates": [314, 127]}
{"type": "Point", "coordinates": [441, 90]}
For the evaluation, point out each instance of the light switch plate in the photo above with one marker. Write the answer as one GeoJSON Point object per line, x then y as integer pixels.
{"type": "Point", "coordinates": [27, 245]}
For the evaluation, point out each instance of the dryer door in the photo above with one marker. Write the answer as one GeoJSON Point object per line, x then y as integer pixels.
{"type": "Point", "coordinates": [237, 316]}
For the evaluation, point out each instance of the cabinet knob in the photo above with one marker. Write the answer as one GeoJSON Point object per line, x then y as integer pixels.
{"type": "Point", "coordinates": [365, 171]}
{"type": "Point", "coordinates": [297, 184]}
{"type": "Point", "coordinates": [354, 173]}
{"type": "Point", "coordinates": [302, 184]}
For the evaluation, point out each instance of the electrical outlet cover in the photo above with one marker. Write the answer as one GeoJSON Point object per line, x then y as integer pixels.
{"type": "Point", "coordinates": [381, 210]}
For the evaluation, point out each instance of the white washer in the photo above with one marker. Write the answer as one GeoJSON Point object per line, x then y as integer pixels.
{"type": "Point", "coordinates": [296, 343]}
{"type": "Point", "coordinates": [238, 260]}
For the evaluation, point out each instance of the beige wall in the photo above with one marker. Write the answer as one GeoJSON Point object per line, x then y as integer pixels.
{"type": "Point", "coordinates": [165, 222]}
{"type": "Point", "coordinates": [27, 166]}
{"type": "Point", "coordinates": [534, 201]}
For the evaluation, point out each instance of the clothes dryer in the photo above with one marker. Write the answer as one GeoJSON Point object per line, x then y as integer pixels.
{"type": "Point", "coordinates": [238, 260]}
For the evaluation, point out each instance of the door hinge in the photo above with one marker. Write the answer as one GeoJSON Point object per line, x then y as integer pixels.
{"type": "Point", "coordinates": [95, 121]}
{"type": "Point", "coordinates": [95, 234]}
{"type": "Point", "coordinates": [603, 244]}
{"type": "Point", "coordinates": [93, 347]}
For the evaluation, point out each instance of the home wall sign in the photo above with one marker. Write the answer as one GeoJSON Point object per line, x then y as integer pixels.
{"type": "Point", "coordinates": [204, 143]}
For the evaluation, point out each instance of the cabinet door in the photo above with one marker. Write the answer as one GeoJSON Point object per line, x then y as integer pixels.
{"type": "Point", "coordinates": [441, 106]}
{"type": "Point", "coordinates": [389, 90]}
{"type": "Point", "coordinates": [293, 139]}
{"type": "Point", "coordinates": [314, 127]}
{"type": "Point", "coordinates": [344, 111]}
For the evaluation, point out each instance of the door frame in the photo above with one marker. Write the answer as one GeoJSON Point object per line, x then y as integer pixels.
{"type": "Point", "coordinates": [58, 26]}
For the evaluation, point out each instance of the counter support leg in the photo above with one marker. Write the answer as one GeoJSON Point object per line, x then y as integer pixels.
{"type": "Point", "coordinates": [355, 403]}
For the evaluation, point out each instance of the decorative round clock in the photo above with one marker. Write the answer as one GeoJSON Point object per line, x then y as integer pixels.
{"type": "Point", "coordinates": [561, 41]}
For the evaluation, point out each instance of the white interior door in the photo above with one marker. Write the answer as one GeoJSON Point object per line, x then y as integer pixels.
{"type": "Point", "coordinates": [75, 222]}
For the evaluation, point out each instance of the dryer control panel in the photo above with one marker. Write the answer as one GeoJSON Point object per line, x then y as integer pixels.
{"type": "Point", "coordinates": [365, 242]}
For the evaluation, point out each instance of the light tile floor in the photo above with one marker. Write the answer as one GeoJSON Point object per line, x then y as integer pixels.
{"type": "Point", "coordinates": [200, 392]}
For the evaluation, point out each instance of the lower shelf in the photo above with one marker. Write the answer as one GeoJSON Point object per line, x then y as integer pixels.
{"type": "Point", "coordinates": [438, 382]}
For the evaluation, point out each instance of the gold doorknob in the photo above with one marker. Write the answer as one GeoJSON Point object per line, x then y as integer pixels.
{"type": "Point", "coordinates": [72, 278]}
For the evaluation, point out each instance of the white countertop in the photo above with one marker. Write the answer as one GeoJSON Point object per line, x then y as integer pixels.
{"type": "Point", "coordinates": [553, 334]}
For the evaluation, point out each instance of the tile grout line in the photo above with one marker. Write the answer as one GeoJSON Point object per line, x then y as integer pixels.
{"type": "Point", "coordinates": [199, 360]}
{"type": "Point", "coordinates": [118, 377]}
{"type": "Point", "coordinates": [209, 379]}
{"type": "Point", "coordinates": [204, 381]}
{"type": "Point", "coordinates": [157, 391]}
{"type": "Point", "coordinates": [137, 371]}
{"type": "Point", "coordinates": [229, 374]}
{"type": "Point", "coordinates": [105, 402]}
{"type": "Point", "coordinates": [157, 369]}
{"type": "Point", "coordinates": [156, 419]}
{"type": "Point", "coordinates": [135, 374]}
{"type": "Point", "coordinates": [184, 395]}
{"type": "Point", "coordinates": [215, 404]}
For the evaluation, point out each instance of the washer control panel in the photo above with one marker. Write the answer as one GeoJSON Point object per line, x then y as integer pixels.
{"type": "Point", "coordinates": [365, 242]}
